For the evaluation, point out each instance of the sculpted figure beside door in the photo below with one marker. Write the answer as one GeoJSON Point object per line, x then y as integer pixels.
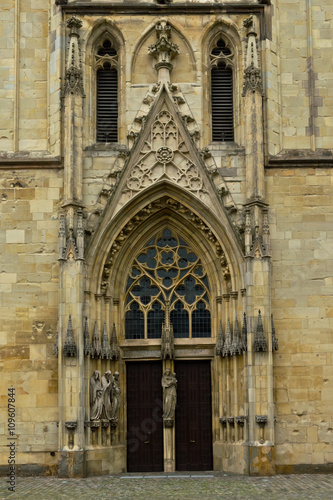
{"type": "Point", "coordinates": [169, 384]}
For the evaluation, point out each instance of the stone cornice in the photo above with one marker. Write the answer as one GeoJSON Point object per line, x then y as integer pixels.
{"type": "Point", "coordinates": [154, 8]}
{"type": "Point", "coordinates": [29, 162]}
{"type": "Point", "coordinates": [301, 159]}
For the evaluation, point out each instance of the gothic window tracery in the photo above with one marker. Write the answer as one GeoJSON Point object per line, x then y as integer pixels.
{"type": "Point", "coordinates": [222, 107]}
{"type": "Point", "coordinates": [106, 65]}
{"type": "Point", "coordinates": [167, 282]}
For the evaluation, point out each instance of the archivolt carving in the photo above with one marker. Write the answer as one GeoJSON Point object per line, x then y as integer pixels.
{"type": "Point", "coordinates": [165, 155]}
{"type": "Point", "coordinates": [146, 212]}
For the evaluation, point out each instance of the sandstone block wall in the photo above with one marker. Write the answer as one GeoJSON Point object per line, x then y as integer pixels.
{"type": "Point", "coordinates": [29, 311]}
{"type": "Point", "coordinates": [302, 286]}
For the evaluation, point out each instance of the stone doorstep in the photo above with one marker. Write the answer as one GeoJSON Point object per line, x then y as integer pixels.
{"type": "Point", "coordinates": [167, 475]}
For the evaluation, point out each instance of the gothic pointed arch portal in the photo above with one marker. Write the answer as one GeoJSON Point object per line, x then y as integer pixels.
{"type": "Point", "coordinates": [161, 266]}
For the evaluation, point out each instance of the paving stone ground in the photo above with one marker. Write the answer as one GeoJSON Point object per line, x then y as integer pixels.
{"type": "Point", "coordinates": [179, 486]}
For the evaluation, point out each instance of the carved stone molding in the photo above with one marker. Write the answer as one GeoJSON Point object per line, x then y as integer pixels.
{"type": "Point", "coordinates": [220, 341]}
{"type": "Point", "coordinates": [252, 73]}
{"type": "Point", "coordinates": [96, 345]}
{"type": "Point", "coordinates": [164, 50]}
{"type": "Point", "coordinates": [95, 424]}
{"type": "Point", "coordinates": [241, 421]}
{"type": "Point", "coordinates": [236, 342]}
{"type": "Point", "coordinates": [261, 420]}
{"type": "Point", "coordinates": [167, 341]}
{"type": "Point", "coordinates": [105, 423]}
{"type": "Point", "coordinates": [70, 349]}
{"type": "Point", "coordinates": [71, 425]}
{"type": "Point", "coordinates": [165, 155]}
{"type": "Point", "coordinates": [86, 337]}
{"type": "Point", "coordinates": [244, 333]}
{"type": "Point", "coordinates": [168, 422]}
{"type": "Point", "coordinates": [146, 212]}
{"type": "Point", "coordinates": [71, 246]}
{"type": "Point", "coordinates": [260, 344]}
{"type": "Point", "coordinates": [73, 73]}
{"type": "Point", "coordinates": [105, 349]}
{"type": "Point", "coordinates": [115, 351]}
{"type": "Point", "coordinates": [227, 348]}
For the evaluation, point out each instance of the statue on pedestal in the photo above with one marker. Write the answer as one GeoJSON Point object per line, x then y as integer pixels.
{"type": "Point", "coordinates": [115, 398]}
{"type": "Point", "coordinates": [107, 387]}
{"type": "Point", "coordinates": [96, 396]}
{"type": "Point", "coordinates": [169, 384]}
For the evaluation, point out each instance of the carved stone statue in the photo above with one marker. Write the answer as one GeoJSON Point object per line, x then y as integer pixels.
{"type": "Point", "coordinates": [115, 398]}
{"type": "Point", "coordinates": [169, 384]}
{"type": "Point", "coordinates": [96, 396]}
{"type": "Point", "coordinates": [107, 386]}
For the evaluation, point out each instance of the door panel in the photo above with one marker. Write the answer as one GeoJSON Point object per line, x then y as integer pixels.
{"type": "Point", "coordinates": [193, 416]}
{"type": "Point", "coordinates": [144, 417]}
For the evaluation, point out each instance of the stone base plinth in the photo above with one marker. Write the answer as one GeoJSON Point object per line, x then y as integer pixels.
{"type": "Point", "coordinates": [240, 458]}
{"type": "Point", "coordinates": [108, 460]}
{"type": "Point", "coordinates": [72, 464]}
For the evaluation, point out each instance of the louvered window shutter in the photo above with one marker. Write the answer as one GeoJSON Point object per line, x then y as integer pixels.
{"type": "Point", "coordinates": [222, 104]}
{"type": "Point", "coordinates": [222, 97]}
{"type": "Point", "coordinates": [107, 104]}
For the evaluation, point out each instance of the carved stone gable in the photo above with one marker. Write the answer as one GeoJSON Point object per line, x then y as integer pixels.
{"type": "Point", "coordinates": [165, 155]}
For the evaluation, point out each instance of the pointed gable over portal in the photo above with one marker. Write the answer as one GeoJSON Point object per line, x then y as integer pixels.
{"type": "Point", "coordinates": [164, 151]}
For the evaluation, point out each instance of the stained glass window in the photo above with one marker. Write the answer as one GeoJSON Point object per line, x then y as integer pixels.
{"type": "Point", "coordinates": [201, 321]}
{"type": "Point", "coordinates": [167, 278]}
{"type": "Point", "coordinates": [155, 319]}
{"type": "Point", "coordinates": [134, 322]}
{"type": "Point", "coordinates": [179, 321]}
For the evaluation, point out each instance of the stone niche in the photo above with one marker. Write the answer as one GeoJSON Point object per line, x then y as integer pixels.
{"type": "Point", "coordinates": [143, 65]}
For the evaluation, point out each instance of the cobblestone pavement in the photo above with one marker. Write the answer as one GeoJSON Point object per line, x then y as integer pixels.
{"type": "Point", "coordinates": [179, 486]}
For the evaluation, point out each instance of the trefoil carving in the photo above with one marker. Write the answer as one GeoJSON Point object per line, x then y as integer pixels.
{"type": "Point", "coordinates": [165, 156]}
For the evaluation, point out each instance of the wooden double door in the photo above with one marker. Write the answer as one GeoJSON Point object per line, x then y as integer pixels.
{"type": "Point", "coordinates": [193, 418]}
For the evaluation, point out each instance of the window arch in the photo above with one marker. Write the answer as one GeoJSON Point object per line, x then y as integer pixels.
{"type": "Point", "coordinates": [167, 283]}
{"type": "Point", "coordinates": [106, 61]}
{"type": "Point", "coordinates": [222, 93]}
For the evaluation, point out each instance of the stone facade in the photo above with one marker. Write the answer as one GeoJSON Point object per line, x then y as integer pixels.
{"type": "Point", "coordinates": [258, 211]}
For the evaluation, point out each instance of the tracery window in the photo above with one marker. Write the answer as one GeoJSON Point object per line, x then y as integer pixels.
{"type": "Point", "coordinates": [106, 60]}
{"type": "Point", "coordinates": [167, 281]}
{"type": "Point", "coordinates": [222, 105]}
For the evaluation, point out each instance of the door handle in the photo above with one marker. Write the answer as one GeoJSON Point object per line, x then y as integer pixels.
{"type": "Point", "coordinates": [191, 441]}
{"type": "Point", "coordinates": [147, 442]}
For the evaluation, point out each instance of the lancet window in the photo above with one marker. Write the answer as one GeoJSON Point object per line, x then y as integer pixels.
{"type": "Point", "coordinates": [167, 283]}
{"type": "Point", "coordinates": [106, 60]}
{"type": "Point", "coordinates": [222, 98]}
